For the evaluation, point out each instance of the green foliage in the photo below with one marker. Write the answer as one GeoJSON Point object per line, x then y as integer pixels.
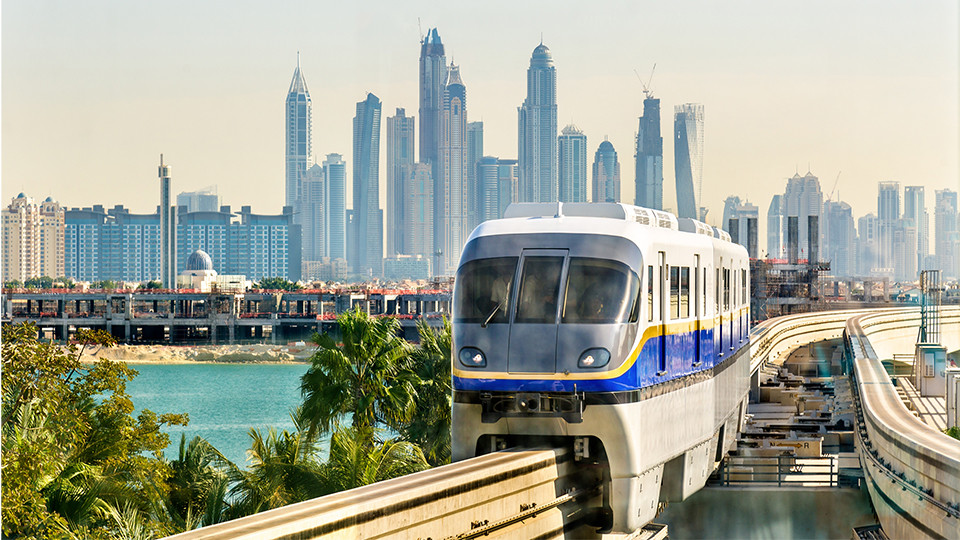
{"type": "Point", "coordinates": [357, 459]}
{"type": "Point", "coordinates": [106, 284]}
{"type": "Point", "coordinates": [953, 432]}
{"type": "Point", "coordinates": [429, 426]}
{"type": "Point", "coordinates": [278, 284]}
{"type": "Point", "coordinates": [152, 284]}
{"type": "Point", "coordinates": [40, 282]}
{"type": "Point", "coordinates": [368, 374]}
{"type": "Point", "coordinates": [15, 284]}
{"type": "Point", "coordinates": [197, 485]}
{"type": "Point", "coordinates": [64, 282]}
{"type": "Point", "coordinates": [71, 449]}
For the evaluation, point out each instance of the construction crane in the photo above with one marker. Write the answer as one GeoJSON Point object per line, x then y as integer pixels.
{"type": "Point", "coordinates": [420, 28]}
{"type": "Point", "coordinates": [830, 197]}
{"type": "Point", "coordinates": [646, 85]}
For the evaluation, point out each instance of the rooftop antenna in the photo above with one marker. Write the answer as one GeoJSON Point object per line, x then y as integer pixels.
{"type": "Point", "coordinates": [298, 59]}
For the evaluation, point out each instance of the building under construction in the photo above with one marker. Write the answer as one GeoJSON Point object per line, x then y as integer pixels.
{"type": "Point", "coordinates": [791, 285]}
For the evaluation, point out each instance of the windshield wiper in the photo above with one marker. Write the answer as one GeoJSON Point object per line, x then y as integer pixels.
{"type": "Point", "coordinates": [490, 316]}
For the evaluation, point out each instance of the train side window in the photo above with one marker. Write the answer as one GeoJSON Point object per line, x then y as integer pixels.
{"type": "Point", "coordinates": [674, 292]}
{"type": "Point", "coordinates": [685, 292]}
{"type": "Point", "coordinates": [716, 286]}
{"type": "Point", "coordinates": [704, 287]}
{"type": "Point", "coordinates": [635, 311]}
{"type": "Point", "coordinates": [650, 293]}
{"type": "Point", "coordinates": [726, 289]}
{"type": "Point", "coordinates": [743, 284]}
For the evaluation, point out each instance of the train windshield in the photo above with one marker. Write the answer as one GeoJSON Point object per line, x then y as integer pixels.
{"type": "Point", "coordinates": [483, 290]}
{"type": "Point", "coordinates": [600, 291]}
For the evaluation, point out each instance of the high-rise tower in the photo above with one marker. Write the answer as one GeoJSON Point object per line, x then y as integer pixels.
{"type": "Point", "coordinates": [168, 230]}
{"type": "Point", "coordinates": [335, 216]}
{"type": "Point", "coordinates": [572, 164]}
{"type": "Point", "coordinates": [649, 157]}
{"type": "Point", "coordinates": [400, 158]}
{"type": "Point", "coordinates": [688, 157]}
{"type": "Point", "coordinates": [537, 139]}
{"type": "Point", "coordinates": [450, 195]}
{"type": "Point", "coordinates": [914, 207]}
{"type": "Point", "coordinates": [298, 135]}
{"type": "Point", "coordinates": [366, 236]}
{"type": "Point", "coordinates": [474, 154]}
{"type": "Point", "coordinates": [433, 74]}
{"type": "Point", "coordinates": [888, 218]}
{"type": "Point", "coordinates": [606, 174]}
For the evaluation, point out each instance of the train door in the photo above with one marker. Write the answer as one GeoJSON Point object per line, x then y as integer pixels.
{"type": "Point", "coordinates": [717, 318]}
{"type": "Point", "coordinates": [533, 332]}
{"type": "Point", "coordinates": [664, 287]}
{"type": "Point", "coordinates": [696, 310]}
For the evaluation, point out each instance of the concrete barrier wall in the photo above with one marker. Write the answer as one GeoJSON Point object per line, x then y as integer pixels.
{"type": "Point", "coordinates": [912, 469]}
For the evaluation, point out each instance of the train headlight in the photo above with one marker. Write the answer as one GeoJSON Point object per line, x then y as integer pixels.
{"type": "Point", "coordinates": [472, 357]}
{"type": "Point", "coordinates": [594, 358]}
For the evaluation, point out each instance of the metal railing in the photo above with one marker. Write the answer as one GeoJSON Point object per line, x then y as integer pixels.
{"type": "Point", "coordinates": [785, 470]}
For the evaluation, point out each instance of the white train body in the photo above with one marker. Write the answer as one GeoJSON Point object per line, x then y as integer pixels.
{"type": "Point", "coordinates": [620, 330]}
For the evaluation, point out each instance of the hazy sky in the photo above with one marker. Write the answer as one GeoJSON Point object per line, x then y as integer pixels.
{"type": "Point", "coordinates": [94, 91]}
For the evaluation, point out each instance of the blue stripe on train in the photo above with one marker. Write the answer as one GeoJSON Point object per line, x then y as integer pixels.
{"type": "Point", "coordinates": [644, 372]}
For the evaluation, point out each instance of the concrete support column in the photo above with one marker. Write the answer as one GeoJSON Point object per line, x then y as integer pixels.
{"type": "Point", "coordinates": [232, 330]}
{"type": "Point", "coordinates": [126, 331]}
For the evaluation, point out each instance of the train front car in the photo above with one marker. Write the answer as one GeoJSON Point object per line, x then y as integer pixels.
{"type": "Point", "coordinates": [570, 327]}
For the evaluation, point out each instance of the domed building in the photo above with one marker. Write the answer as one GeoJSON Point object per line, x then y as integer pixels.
{"type": "Point", "coordinates": [199, 275]}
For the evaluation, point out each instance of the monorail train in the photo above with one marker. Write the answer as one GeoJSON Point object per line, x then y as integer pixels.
{"type": "Point", "coordinates": [620, 331]}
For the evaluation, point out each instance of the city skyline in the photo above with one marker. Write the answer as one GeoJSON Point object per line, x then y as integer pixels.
{"type": "Point", "coordinates": [773, 106]}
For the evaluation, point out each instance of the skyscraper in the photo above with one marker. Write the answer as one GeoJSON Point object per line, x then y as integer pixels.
{"type": "Point", "coordinates": [606, 174]}
{"type": "Point", "coordinates": [914, 207]}
{"type": "Point", "coordinates": [840, 239]}
{"type": "Point", "coordinates": [775, 227]}
{"type": "Point", "coordinates": [205, 200]}
{"type": "Point", "coordinates": [688, 157]}
{"type": "Point", "coordinates": [433, 74]}
{"type": "Point", "coordinates": [572, 164]}
{"type": "Point", "coordinates": [312, 208]}
{"type": "Point", "coordinates": [33, 239]}
{"type": "Point", "coordinates": [335, 197]}
{"type": "Point", "coordinates": [888, 218]}
{"type": "Point", "coordinates": [474, 154]}
{"type": "Point", "coordinates": [400, 137]}
{"type": "Point", "coordinates": [867, 245]}
{"type": "Point", "coordinates": [803, 199]}
{"type": "Point", "coordinates": [366, 237]}
{"type": "Point", "coordinates": [450, 193]}
{"type": "Point", "coordinates": [418, 235]}
{"type": "Point", "coordinates": [537, 140]}
{"type": "Point", "coordinates": [298, 134]}
{"type": "Point", "coordinates": [946, 233]}
{"type": "Point", "coordinates": [168, 230]}
{"type": "Point", "coordinates": [649, 157]}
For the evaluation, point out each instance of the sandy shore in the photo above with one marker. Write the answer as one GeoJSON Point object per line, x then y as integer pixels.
{"type": "Point", "coordinates": [248, 354]}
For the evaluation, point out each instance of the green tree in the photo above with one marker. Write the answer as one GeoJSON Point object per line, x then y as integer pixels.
{"type": "Point", "coordinates": [64, 282]}
{"type": "Point", "coordinates": [278, 284]}
{"type": "Point", "coordinates": [366, 374]}
{"type": "Point", "coordinates": [39, 282]}
{"type": "Point", "coordinates": [106, 284]}
{"type": "Point", "coordinates": [429, 426]}
{"type": "Point", "coordinates": [15, 284]}
{"type": "Point", "coordinates": [71, 449]}
{"type": "Point", "coordinates": [152, 284]}
{"type": "Point", "coordinates": [355, 462]}
{"type": "Point", "coordinates": [198, 484]}
{"type": "Point", "coordinates": [282, 470]}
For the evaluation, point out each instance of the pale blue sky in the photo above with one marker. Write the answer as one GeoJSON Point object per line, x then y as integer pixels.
{"type": "Point", "coordinates": [93, 91]}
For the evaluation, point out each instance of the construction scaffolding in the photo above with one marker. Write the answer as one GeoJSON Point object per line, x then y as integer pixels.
{"type": "Point", "coordinates": [780, 287]}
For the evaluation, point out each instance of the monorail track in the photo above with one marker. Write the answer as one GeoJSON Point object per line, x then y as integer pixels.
{"type": "Point", "coordinates": [516, 493]}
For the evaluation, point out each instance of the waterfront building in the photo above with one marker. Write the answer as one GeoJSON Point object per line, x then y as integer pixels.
{"type": "Point", "coordinates": [498, 184]}
{"type": "Point", "coordinates": [450, 194]}
{"type": "Point", "coordinates": [572, 164]}
{"type": "Point", "coordinates": [311, 210]}
{"type": "Point", "coordinates": [774, 227]}
{"type": "Point", "coordinates": [200, 275]}
{"type": "Point", "coordinates": [335, 197]}
{"type": "Point", "coordinates": [804, 199]}
{"type": "Point", "coordinates": [265, 245]}
{"type": "Point", "coordinates": [649, 157]}
{"type": "Point", "coordinates": [299, 134]}
{"type": "Point", "coordinates": [204, 200]}
{"type": "Point", "coordinates": [905, 250]}
{"type": "Point", "coordinates": [406, 267]}
{"type": "Point", "coordinates": [537, 138]}
{"type": "Point", "coordinates": [82, 229]}
{"type": "Point", "coordinates": [132, 247]}
{"type": "Point", "coordinates": [400, 157]}
{"type": "Point", "coordinates": [606, 174]}
{"type": "Point", "coordinates": [840, 238]}
{"type": "Point", "coordinates": [33, 239]}
{"type": "Point", "coordinates": [688, 157]}
{"type": "Point", "coordinates": [946, 233]}
{"type": "Point", "coordinates": [888, 220]}
{"type": "Point", "coordinates": [915, 208]}
{"type": "Point", "coordinates": [868, 250]}
{"type": "Point", "coordinates": [474, 153]}
{"type": "Point", "coordinates": [168, 229]}
{"type": "Point", "coordinates": [366, 234]}
{"type": "Point", "coordinates": [204, 231]}
{"type": "Point", "coordinates": [433, 75]}
{"type": "Point", "coordinates": [418, 235]}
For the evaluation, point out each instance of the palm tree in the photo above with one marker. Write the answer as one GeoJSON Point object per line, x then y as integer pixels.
{"type": "Point", "coordinates": [282, 470]}
{"type": "Point", "coordinates": [197, 487]}
{"type": "Point", "coordinates": [367, 374]}
{"type": "Point", "coordinates": [357, 458]}
{"type": "Point", "coordinates": [429, 426]}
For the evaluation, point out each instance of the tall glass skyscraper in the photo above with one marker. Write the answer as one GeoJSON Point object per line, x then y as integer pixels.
{"type": "Point", "coordinates": [537, 139]}
{"type": "Point", "coordinates": [299, 128]}
{"type": "Point", "coordinates": [400, 137]}
{"type": "Point", "coordinates": [947, 233]}
{"type": "Point", "coordinates": [688, 157]}
{"type": "Point", "coordinates": [311, 208]}
{"type": "Point", "coordinates": [888, 217]}
{"type": "Point", "coordinates": [572, 164]}
{"type": "Point", "coordinates": [649, 157]}
{"type": "Point", "coordinates": [366, 238]}
{"type": "Point", "coordinates": [474, 154]}
{"type": "Point", "coordinates": [775, 227]}
{"type": "Point", "coordinates": [451, 196]}
{"type": "Point", "coordinates": [606, 174]}
{"type": "Point", "coordinates": [433, 74]}
{"type": "Point", "coordinates": [335, 197]}
{"type": "Point", "coordinates": [914, 207]}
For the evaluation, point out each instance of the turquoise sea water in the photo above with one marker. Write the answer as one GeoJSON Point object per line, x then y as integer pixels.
{"type": "Point", "coordinates": [223, 400]}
